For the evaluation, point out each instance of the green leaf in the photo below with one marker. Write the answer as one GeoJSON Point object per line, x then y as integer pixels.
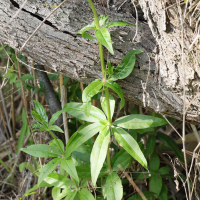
{"type": "Point", "coordinates": [85, 172]}
{"type": "Point", "coordinates": [22, 132]}
{"type": "Point", "coordinates": [92, 89]}
{"type": "Point", "coordinates": [99, 152]}
{"type": "Point", "coordinates": [164, 191]}
{"type": "Point", "coordinates": [103, 36]}
{"type": "Point", "coordinates": [77, 110]}
{"type": "Point", "coordinates": [164, 170]}
{"type": "Point", "coordinates": [123, 158]}
{"type": "Point", "coordinates": [70, 195]}
{"type": "Point", "coordinates": [147, 194]}
{"type": "Point", "coordinates": [87, 36]}
{"type": "Point", "coordinates": [113, 188]}
{"type": "Point", "coordinates": [55, 145]}
{"type": "Point", "coordinates": [117, 23]}
{"type": "Point", "coordinates": [60, 181]}
{"type": "Point", "coordinates": [84, 194]}
{"type": "Point", "coordinates": [41, 150]}
{"type": "Point", "coordinates": [139, 121]}
{"type": "Point", "coordinates": [54, 76]}
{"type": "Point", "coordinates": [90, 26]}
{"type": "Point", "coordinates": [115, 87]}
{"type": "Point", "coordinates": [82, 136]}
{"type": "Point", "coordinates": [48, 168]}
{"type": "Point", "coordinates": [55, 116]}
{"type": "Point", "coordinates": [112, 104]}
{"type": "Point", "coordinates": [55, 128]}
{"type": "Point", "coordinates": [154, 162]}
{"type": "Point", "coordinates": [4, 165]}
{"type": "Point", "coordinates": [169, 142]}
{"type": "Point", "coordinates": [155, 184]}
{"type": "Point", "coordinates": [125, 68]}
{"type": "Point", "coordinates": [12, 77]}
{"type": "Point", "coordinates": [151, 142]}
{"type": "Point", "coordinates": [103, 19]}
{"type": "Point", "coordinates": [36, 116]}
{"type": "Point", "coordinates": [69, 167]}
{"type": "Point", "coordinates": [129, 144]}
{"type": "Point", "coordinates": [27, 77]}
{"type": "Point", "coordinates": [55, 192]}
{"type": "Point", "coordinates": [41, 112]}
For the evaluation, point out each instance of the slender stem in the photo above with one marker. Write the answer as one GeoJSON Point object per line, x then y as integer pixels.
{"type": "Point", "coordinates": [104, 77]}
{"type": "Point", "coordinates": [54, 137]}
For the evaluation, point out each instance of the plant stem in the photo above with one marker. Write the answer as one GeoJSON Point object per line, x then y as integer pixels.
{"type": "Point", "coordinates": [54, 137]}
{"type": "Point", "coordinates": [104, 78]}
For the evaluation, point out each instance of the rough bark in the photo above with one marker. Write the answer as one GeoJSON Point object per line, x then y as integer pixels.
{"type": "Point", "coordinates": [58, 46]}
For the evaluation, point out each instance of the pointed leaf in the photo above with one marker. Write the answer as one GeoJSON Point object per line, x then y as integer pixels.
{"type": "Point", "coordinates": [85, 172]}
{"type": "Point", "coordinates": [99, 152]}
{"type": "Point", "coordinates": [68, 193]}
{"type": "Point", "coordinates": [37, 116]}
{"type": "Point", "coordinates": [113, 188]}
{"type": "Point", "coordinates": [69, 167]}
{"type": "Point", "coordinates": [103, 19]}
{"type": "Point", "coordinates": [87, 36]}
{"type": "Point", "coordinates": [81, 137]}
{"type": "Point", "coordinates": [48, 168]}
{"type": "Point", "coordinates": [60, 181]}
{"type": "Point", "coordinates": [115, 87]}
{"type": "Point", "coordinates": [55, 145]}
{"type": "Point", "coordinates": [117, 23]}
{"type": "Point", "coordinates": [164, 191]}
{"type": "Point", "coordinates": [154, 162]}
{"type": "Point", "coordinates": [130, 145]}
{"type": "Point", "coordinates": [155, 184]}
{"type": "Point", "coordinates": [151, 142]}
{"type": "Point", "coordinates": [41, 111]}
{"type": "Point", "coordinates": [55, 128]}
{"type": "Point", "coordinates": [55, 192]}
{"type": "Point", "coordinates": [139, 121]}
{"type": "Point", "coordinates": [90, 26]}
{"type": "Point", "coordinates": [92, 89]}
{"type": "Point", "coordinates": [123, 158]}
{"type": "Point", "coordinates": [164, 170]}
{"type": "Point", "coordinates": [77, 110]}
{"type": "Point", "coordinates": [42, 150]}
{"type": "Point", "coordinates": [112, 104]}
{"type": "Point", "coordinates": [84, 194]}
{"type": "Point", "coordinates": [103, 36]}
{"type": "Point", "coordinates": [55, 116]}
{"type": "Point", "coordinates": [125, 68]}
{"type": "Point", "coordinates": [169, 142]}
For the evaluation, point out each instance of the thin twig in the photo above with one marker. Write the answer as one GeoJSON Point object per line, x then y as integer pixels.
{"type": "Point", "coordinates": [42, 24]}
{"type": "Point", "coordinates": [136, 21]}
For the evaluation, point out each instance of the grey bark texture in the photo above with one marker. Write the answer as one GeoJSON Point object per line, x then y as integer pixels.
{"type": "Point", "coordinates": [157, 79]}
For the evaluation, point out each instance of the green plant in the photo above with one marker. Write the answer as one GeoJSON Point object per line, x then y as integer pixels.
{"type": "Point", "coordinates": [95, 121]}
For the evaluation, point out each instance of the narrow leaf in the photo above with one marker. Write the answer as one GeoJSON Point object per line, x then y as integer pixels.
{"type": "Point", "coordinates": [155, 184]}
{"type": "Point", "coordinates": [92, 89]}
{"type": "Point", "coordinates": [117, 23]}
{"type": "Point", "coordinates": [113, 188]}
{"type": "Point", "coordinates": [115, 87]}
{"type": "Point", "coordinates": [139, 121]}
{"type": "Point", "coordinates": [48, 168]}
{"type": "Point", "coordinates": [55, 192]}
{"type": "Point", "coordinates": [130, 145]}
{"type": "Point", "coordinates": [42, 150]}
{"type": "Point", "coordinates": [112, 104]}
{"type": "Point", "coordinates": [164, 191]}
{"type": "Point", "coordinates": [103, 36]}
{"type": "Point", "coordinates": [164, 170]}
{"type": "Point", "coordinates": [55, 145]}
{"type": "Point", "coordinates": [87, 36]}
{"type": "Point", "coordinates": [81, 137]}
{"type": "Point", "coordinates": [125, 68]}
{"type": "Point", "coordinates": [55, 128]}
{"type": "Point", "coordinates": [154, 162]}
{"type": "Point", "coordinates": [54, 117]}
{"type": "Point", "coordinates": [151, 142]}
{"type": "Point", "coordinates": [169, 142]}
{"type": "Point", "coordinates": [99, 152]}
{"type": "Point", "coordinates": [77, 110]}
{"type": "Point", "coordinates": [90, 26]}
{"type": "Point", "coordinates": [71, 195]}
{"type": "Point", "coordinates": [103, 19]}
{"type": "Point", "coordinates": [84, 194]}
{"type": "Point", "coordinates": [60, 181]}
{"type": "Point", "coordinates": [69, 167]}
{"type": "Point", "coordinates": [41, 111]}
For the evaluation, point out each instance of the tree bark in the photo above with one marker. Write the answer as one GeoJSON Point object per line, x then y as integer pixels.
{"type": "Point", "coordinates": [157, 80]}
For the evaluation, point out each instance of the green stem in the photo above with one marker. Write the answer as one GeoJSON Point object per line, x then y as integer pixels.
{"type": "Point", "coordinates": [54, 137]}
{"type": "Point", "coordinates": [104, 78]}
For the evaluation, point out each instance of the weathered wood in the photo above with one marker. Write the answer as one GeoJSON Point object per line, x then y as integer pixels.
{"type": "Point", "coordinates": [58, 46]}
